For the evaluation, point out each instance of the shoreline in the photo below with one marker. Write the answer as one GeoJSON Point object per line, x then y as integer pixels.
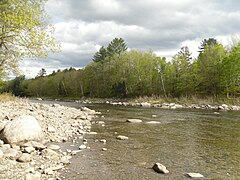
{"type": "Point", "coordinates": [165, 105]}
{"type": "Point", "coordinates": [59, 124]}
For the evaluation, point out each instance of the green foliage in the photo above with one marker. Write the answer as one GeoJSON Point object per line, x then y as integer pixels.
{"type": "Point", "coordinates": [24, 32]}
{"type": "Point", "coordinates": [215, 73]}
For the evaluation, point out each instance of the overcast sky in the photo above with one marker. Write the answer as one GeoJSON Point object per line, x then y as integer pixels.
{"type": "Point", "coordinates": [83, 26]}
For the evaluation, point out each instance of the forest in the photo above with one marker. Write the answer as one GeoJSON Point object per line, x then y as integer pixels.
{"type": "Point", "coordinates": [116, 72]}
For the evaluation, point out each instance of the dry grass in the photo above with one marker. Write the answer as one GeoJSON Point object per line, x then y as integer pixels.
{"type": "Point", "coordinates": [7, 97]}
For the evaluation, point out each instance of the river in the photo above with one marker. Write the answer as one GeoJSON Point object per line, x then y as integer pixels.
{"type": "Point", "coordinates": [184, 141]}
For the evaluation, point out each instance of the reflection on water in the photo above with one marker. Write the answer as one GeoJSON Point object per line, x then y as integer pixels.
{"type": "Point", "coordinates": [184, 141]}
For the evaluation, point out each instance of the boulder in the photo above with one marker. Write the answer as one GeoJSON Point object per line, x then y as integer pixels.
{"type": "Point", "coordinates": [22, 129]}
{"type": "Point", "coordinates": [159, 168]}
{"type": "Point", "coordinates": [134, 120]}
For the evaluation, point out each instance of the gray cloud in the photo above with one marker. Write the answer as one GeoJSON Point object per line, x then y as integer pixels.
{"type": "Point", "coordinates": [163, 26]}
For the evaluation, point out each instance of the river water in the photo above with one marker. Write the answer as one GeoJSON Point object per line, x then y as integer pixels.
{"type": "Point", "coordinates": [184, 141]}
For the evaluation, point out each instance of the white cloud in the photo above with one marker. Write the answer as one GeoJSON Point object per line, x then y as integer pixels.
{"type": "Point", "coordinates": [163, 26]}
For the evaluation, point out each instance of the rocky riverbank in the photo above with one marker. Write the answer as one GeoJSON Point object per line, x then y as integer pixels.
{"type": "Point", "coordinates": [178, 106]}
{"type": "Point", "coordinates": [22, 156]}
{"type": "Point", "coordinates": [165, 105]}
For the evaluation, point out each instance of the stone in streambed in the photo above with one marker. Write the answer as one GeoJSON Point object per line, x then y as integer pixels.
{"type": "Point", "coordinates": [195, 175]}
{"type": "Point", "coordinates": [159, 168]}
{"type": "Point", "coordinates": [120, 137]}
{"type": "Point", "coordinates": [134, 120]}
{"type": "Point", "coordinates": [153, 122]}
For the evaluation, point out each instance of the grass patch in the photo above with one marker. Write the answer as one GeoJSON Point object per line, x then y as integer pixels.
{"type": "Point", "coordinates": [7, 97]}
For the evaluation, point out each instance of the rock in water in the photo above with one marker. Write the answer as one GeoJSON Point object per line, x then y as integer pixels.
{"type": "Point", "coordinates": [195, 175]}
{"type": "Point", "coordinates": [120, 137]}
{"type": "Point", "coordinates": [22, 129]}
{"type": "Point", "coordinates": [159, 168]}
{"type": "Point", "coordinates": [134, 120]}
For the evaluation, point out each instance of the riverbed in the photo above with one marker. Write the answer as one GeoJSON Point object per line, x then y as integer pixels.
{"type": "Point", "coordinates": [184, 141]}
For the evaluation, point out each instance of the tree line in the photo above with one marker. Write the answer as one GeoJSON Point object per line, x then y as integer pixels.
{"type": "Point", "coordinates": [117, 72]}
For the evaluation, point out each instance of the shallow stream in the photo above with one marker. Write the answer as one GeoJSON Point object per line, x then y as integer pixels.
{"type": "Point", "coordinates": [184, 141]}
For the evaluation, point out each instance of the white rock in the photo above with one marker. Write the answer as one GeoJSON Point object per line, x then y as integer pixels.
{"type": "Point", "coordinates": [29, 149]}
{"type": "Point", "coordinates": [53, 147]}
{"type": "Point", "coordinates": [154, 115]}
{"type": "Point", "coordinates": [22, 129]}
{"type": "Point", "coordinates": [92, 133]}
{"type": "Point", "coordinates": [153, 122]}
{"type": "Point", "coordinates": [12, 154]}
{"type": "Point", "coordinates": [159, 168]}
{"type": "Point", "coordinates": [104, 149]}
{"type": "Point", "coordinates": [195, 175]}
{"type": "Point", "coordinates": [120, 137]}
{"type": "Point", "coordinates": [81, 147]}
{"type": "Point", "coordinates": [134, 120]}
{"type": "Point", "coordinates": [36, 176]}
{"type": "Point", "coordinates": [25, 157]}
{"type": "Point", "coordinates": [51, 129]}
{"type": "Point", "coordinates": [103, 140]}
{"type": "Point", "coordinates": [145, 104]}
{"type": "Point", "coordinates": [1, 153]}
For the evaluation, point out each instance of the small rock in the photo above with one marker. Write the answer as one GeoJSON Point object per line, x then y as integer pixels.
{"type": "Point", "coordinates": [36, 176]}
{"type": "Point", "coordinates": [120, 137]}
{"type": "Point", "coordinates": [103, 140]}
{"type": "Point", "coordinates": [195, 175]}
{"type": "Point", "coordinates": [154, 116]}
{"type": "Point", "coordinates": [1, 142]}
{"type": "Point", "coordinates": [145, 104]}
{"type": "Point", "coordinates": [30, 170]}
{"type": "Point", "coordinates": [104, 149]}
{"type": "Point", "coordinates": [134, 120]}
{"type": "Point", "coordinates": [159, 168]}
{"type": "Point", "coordinates": [81, 147]}
{"type": "Point", "coordinates": [65, 159]}
{"type": "Point", "coordinates": [53, 147]}
{"type": "Point", "coordinates": [51, 129]}
{"type": "Point", "coordinates": [1, 153]}
{"type": "Point", "coordinates": [29, 149]}
{"type": "Point", "coordinates": [50, 170]}
{"type": "Point", "coordinates": [92, 133]}
{"type": "Point", "coordinates": [25, 157]}
{"type": "Point", "coordinates": [50, 153]}
{"type": "Point", "coordinates": [12, 154]}
{"type": "Point", "coordinates": [153, 122]}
